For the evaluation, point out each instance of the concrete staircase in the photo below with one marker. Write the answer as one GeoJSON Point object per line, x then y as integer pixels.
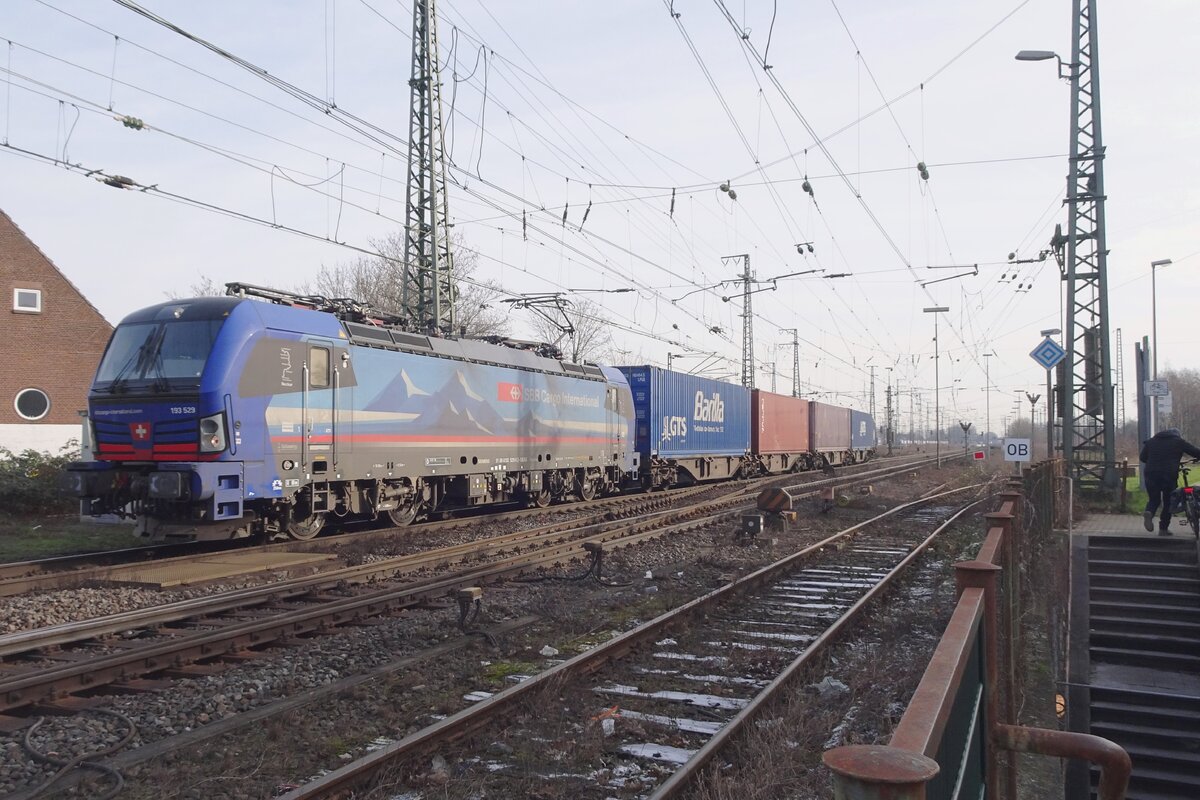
{"type": "Point", "coordinates": [1144, 648]}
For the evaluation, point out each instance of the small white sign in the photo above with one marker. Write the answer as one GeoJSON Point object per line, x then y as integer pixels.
{"type": "Point", "coordinates": [1155, 388]}
{"type": "Point", "coordinates": [1017, 449]}
{"type": "Point", "coordinates": [1165, 403]}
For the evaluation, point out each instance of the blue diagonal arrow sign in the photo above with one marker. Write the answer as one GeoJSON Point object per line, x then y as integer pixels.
{"type": "Point", "coordinates": [1048, 353]}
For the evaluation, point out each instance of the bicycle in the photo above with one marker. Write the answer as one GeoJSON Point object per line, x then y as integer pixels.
{"type": "Point", "coordinates": [1188, 499]}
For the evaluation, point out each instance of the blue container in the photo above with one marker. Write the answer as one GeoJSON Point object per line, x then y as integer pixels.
{"type": "Point", "coordinates": [862, 430]}
{"type": "Point", "coordinates": [686, 415]}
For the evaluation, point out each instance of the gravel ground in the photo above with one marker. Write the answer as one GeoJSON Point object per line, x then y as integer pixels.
{"type": "Point", "coordinates": [45, 608]}
{"type": "Point", "coordinates": [288, 749]}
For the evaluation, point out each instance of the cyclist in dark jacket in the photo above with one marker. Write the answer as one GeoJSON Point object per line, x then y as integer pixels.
{"type": "Point", "coordinates": [1161, 454]}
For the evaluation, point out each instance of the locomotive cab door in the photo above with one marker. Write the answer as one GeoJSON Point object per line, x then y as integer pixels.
{"type": "Point", "coordinates": [320, 410]}
{"type": "Point", "coordinates": [616, 427]}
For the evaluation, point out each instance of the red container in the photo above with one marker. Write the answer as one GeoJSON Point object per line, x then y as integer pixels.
{"type": "Point", "coordinates": [829, 427]}
{"type": "Point", "coordinates": [778, 424]}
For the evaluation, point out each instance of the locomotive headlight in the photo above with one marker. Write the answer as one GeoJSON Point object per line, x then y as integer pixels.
{"type": "Point", "coordinates": [212, 433]}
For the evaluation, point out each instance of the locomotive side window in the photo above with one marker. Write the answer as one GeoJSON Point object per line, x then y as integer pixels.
{"type": "Point", "coordinates": [318, 367]}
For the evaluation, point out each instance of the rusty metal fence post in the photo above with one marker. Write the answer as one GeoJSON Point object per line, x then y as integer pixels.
{"type": "Point", "coordinates": [983, 575]}
{"type": "Point", "coordinates": [878, 772]}
{"type": "Point", "coordinates": [960, 723]}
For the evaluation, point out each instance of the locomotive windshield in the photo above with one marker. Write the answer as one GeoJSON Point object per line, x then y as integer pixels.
{"type": "Point", "coordinates": [158, 355]}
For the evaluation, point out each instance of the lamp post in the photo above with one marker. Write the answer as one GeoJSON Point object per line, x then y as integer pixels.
{"type": "Point", "coordinates": [987, 402]}
{"type": "Point", "coordinates": [1154, 265]}
{"type": "Point", "coordinates": [1050, 403]}
{"type": "Point", "coordinates": [937, 401]}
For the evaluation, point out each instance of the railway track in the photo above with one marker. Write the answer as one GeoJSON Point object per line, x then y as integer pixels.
{"type": "Point", "coordinates": [44, 666]}
{"type": "Point", "coordinates": [669, 694]}
{"type": "Point", "coordinates": [102, 567]}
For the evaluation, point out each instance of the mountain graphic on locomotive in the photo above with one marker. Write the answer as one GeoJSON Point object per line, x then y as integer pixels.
{"type": "Point", "coordinates": [227, 417]}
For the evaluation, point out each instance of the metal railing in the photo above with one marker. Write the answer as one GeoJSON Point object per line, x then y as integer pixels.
{"type": "Point", "coordinates": [959, 734]}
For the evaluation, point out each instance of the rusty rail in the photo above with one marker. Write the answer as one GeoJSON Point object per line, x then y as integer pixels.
{"type": "Point", "coordinates": [340, 781]}
{"type": "Point", "coordinates": [959, 730]}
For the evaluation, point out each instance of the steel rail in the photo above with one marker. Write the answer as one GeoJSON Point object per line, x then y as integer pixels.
{"type": "Point", "coordinates": [685, 774]}
{"type": "Point", "coordinates": [66, 633]}
{"type": "Point", "coordinates": [469, 719]}
{"type": "Point", "coordinates": [72, 570]}
{"type": "Point", "coordinates": [63, 571]}
{"type": "Point", "coordinates": [48, 684]}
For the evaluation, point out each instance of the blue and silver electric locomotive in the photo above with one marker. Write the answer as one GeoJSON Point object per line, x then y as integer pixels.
{"type": "Point", "coordinates": [223, 417]}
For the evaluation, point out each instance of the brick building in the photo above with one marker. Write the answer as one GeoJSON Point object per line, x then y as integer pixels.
{"type": "Point", "coordinates": [52, 341]}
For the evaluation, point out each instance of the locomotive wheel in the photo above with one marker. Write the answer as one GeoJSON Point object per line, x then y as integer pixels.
{"type": "Point", "coordinates": [403, 516]}
{"type": "Point", "coordinates": [541, 499]}
{"type": "Point", "coordinates": [587, 490]}
{"type": "Point", "coordinates": [307, 528]}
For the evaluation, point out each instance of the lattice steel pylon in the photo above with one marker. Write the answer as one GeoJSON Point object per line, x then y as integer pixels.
{"type": "Point", "coordinates": [1090, 444]}
{"type": "Point", "coordinates": [1120, 388]}
{"type": "Point", "coordinates": [795, 332]}
{"type": "Point", "coordinates": [747, 320]}
{"type": "Point", "coordinates": [428, 292]}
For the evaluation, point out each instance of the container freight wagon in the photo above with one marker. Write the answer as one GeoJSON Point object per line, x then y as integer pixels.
{"type": "Point", "coordinates": [779, 432]}
{"type": "Point", "coordinates": [829, 433]}
{"type": "Point", "coordinates": [862, 434]}
{"type": "Point", "coordinates": [688, 428]}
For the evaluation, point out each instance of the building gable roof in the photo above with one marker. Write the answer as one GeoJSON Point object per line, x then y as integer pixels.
{"type": "Point", "coordinates": [17, 241]}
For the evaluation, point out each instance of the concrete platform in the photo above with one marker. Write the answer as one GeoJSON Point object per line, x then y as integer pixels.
{"type": "Point", "coordinates": [1127, 525]}
{"type": "Point", "coordinates": [203, 569]}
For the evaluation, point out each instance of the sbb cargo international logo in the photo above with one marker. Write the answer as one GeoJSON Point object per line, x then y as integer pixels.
{"type": "Point", "coordinates": [509, 392]}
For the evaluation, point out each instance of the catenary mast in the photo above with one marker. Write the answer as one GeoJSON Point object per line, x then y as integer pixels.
{"type": "Point", "coordinates": [428, 290]}
{"type": "Point", "coordinates": [1089, 445]}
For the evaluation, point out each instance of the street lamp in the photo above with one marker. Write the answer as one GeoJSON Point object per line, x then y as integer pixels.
{"type": "Point", "coordinates": [987, 401]}
{"type": "Point", "coordinates": [1050, 402]}
{"type": "Point", "coordinates": [1046, 55]}
{"type": "Point", "coordinates": [937, 401]}
{"type": "Point", "coordinates": [1162, 262]}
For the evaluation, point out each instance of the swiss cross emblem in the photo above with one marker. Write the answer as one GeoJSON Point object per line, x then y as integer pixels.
{"type": "Point", "coordinates": [140, 431]}
{"type": "Point", "coordinates": [509, 392]}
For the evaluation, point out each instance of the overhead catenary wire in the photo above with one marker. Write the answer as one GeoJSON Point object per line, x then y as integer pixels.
{"type": "Point", "coordinates": [599, 202]}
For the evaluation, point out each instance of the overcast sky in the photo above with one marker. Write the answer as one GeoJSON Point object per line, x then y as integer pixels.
{"type": "Point", "coordinates": [553, 106]}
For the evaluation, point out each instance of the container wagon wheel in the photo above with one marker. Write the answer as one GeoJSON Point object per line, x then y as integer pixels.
{"type": "Point", "coordinates": [403, 516]}
{"type": "Point", "coordinates": [308, 527]}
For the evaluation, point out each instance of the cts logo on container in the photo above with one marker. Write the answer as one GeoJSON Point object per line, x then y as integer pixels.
{"type": "Point", "coordinates": [509, 392]}
{"type": "Point", "coordinates": [674, 426]}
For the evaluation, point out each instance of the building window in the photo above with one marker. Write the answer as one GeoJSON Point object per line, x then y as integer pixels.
{"type": "Point", "coordinates": [32, 404]}
{"type": "Point", "coordinates": [27, 300]}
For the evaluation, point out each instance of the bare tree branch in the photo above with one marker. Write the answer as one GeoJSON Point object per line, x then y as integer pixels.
{"type": "Point", "coordinates": [591, 341]}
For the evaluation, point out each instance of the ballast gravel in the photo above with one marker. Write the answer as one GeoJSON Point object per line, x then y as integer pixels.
{"type": "Point", "coordinates": [693, 563]}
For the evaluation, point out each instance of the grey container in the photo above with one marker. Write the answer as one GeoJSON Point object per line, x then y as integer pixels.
{"type": "Point", "coordinates": [686, 415]}
{"type": "Point", "coordinates": [828, 428]}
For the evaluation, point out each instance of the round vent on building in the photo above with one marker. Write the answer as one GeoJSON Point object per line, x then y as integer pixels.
{"type": "Point", "coordinates": [32, 403]}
